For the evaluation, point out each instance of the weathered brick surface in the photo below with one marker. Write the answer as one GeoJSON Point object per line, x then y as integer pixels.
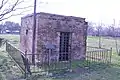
{"type": "Point", "coordinates": [49, 27]}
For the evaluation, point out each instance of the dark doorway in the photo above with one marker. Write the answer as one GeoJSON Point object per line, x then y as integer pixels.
{"type": "Point", "coordinates": [64, 46]}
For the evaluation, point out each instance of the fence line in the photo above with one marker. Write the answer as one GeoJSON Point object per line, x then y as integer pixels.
{"type": "Point", "coordinates": [96, 54]}
{"type": "Point", "coordinates": [23, 61]}
{"type": "Point", "coordinates": [93, 54]}
{"type": "Point", "coordinates": [17, 56]}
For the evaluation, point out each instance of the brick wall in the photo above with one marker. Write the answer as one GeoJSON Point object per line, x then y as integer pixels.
{"type": "Point", "coordinates": [49, 27]}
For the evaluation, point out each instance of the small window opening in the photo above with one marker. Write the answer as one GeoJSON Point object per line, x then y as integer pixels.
{"type": "Point", "coordinates": [25, 51]}
{"type": "Point", "coordinates": [26, 31]}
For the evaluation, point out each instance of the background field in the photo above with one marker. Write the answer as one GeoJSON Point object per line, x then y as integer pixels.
{"type": "Point", "coordinates": [9, 71]}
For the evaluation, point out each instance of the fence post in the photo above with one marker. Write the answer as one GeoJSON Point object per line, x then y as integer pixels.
{"type": "Point", "coordinates": [118, 52]}
{"type": "Point", "coordinates": [25, 68]}
{"type": "Point", "coordinates": [110, 54]}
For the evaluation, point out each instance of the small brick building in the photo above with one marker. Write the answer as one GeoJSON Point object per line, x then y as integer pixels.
{"type": "Point", "coordinates": [64, 36]}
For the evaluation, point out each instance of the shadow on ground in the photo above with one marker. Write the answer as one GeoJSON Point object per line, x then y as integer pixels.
{"type": "Point", "coordinates": [95, 72]}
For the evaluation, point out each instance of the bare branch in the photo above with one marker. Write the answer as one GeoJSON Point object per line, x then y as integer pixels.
{"type": "Point", "coordinates": [1, 4]}
{"type": "Point", "coordinates": [2, 15]}
{"type": "Point", "coordinates": [10, 9]}
{"type": "Point", "coordinates": [2, 18]}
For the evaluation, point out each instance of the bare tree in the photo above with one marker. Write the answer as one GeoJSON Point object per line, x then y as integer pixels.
{"type": "Point", "coordinates": [99, 29]}
{"type": "Point", "coordinates": [8, 8]}
{"type": "Point", "coordinates": [115, 37]}
{"type": "Point", "coordinates": [90, 30]}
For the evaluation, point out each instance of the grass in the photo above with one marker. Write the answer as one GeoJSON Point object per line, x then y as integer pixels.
{"type": "Point", "coordinates": [8, 70]}
{"type": "Point", "coordinates": [105, 42]}
{"type": "Point", "coordinates": [14, 39]}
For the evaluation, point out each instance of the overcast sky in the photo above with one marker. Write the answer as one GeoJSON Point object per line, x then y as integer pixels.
{"type": "Point", "coordinates": [93, 10]}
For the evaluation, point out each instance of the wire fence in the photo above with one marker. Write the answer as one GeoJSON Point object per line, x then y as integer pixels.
{"type": "Point", "coordinates": [94, 56]}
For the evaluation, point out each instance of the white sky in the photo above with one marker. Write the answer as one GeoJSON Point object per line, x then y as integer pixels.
{"type": "Point", "coordinates": [92, 10]}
